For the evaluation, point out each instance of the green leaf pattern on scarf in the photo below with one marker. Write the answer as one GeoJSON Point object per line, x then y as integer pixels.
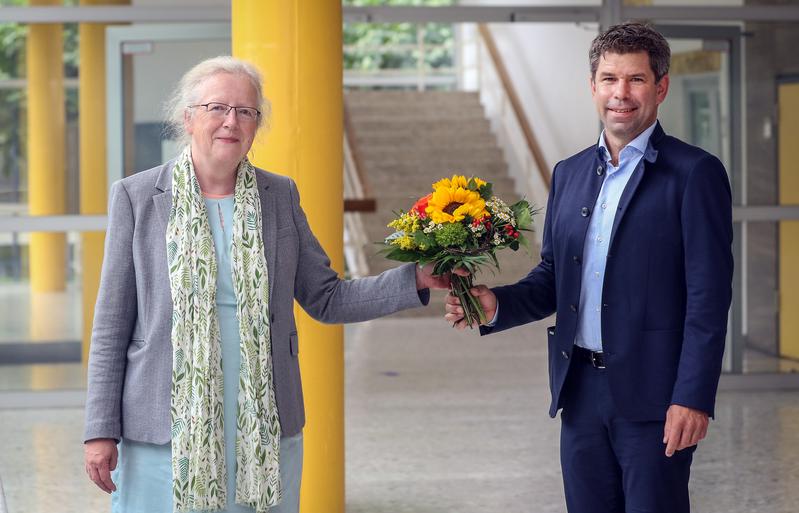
{"type": "Point", "coordinates": [198, 446]}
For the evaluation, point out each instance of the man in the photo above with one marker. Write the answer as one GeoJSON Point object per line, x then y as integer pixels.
{"type": "Point", "coordinates": [637, 263]}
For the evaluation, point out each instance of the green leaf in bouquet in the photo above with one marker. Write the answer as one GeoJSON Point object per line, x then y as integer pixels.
{"type": "Point", "coordinates": [494, 259]}
{"type": "Point", "coordinates": [425, 240]}
{"type": "Point", "coordinates": [487, 191]}
{"type": "Point", "coordinates": [400, 255]}
{"type": "Point", "coordinates": [524, 215]}
{"type": "Point", "coordinates": [524, 242]}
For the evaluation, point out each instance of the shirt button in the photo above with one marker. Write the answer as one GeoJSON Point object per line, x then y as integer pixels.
{"type": "Point", "coordinates": [599, 239]}
{"type": "Point", "coordinates": [596, 274]}
{"type": "Point", "coordinates": [604, 206]}
{"type": "Point", "coordinates": [598, 309]}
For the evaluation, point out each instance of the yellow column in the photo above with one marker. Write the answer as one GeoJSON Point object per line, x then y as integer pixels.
{"type": "Point", "coordinates": [297, 45]}
{"type": "Point", "coordinates": [788, 100]}
{"type": "Point", "coordinates": [93, 176]}
{"type": "Point", "coordinates": [46, 154]}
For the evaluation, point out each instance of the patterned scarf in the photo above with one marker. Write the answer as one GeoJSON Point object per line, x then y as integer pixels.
{"type": "Point", "coordinates": [198, 445]}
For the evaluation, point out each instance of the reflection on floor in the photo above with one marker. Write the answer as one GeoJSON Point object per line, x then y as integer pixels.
{"type": "Point", "coordinates": [458, 420]}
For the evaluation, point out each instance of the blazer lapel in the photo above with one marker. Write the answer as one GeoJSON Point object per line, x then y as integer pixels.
{"type": "Point", "coordinates": [163, 198]}
{"type": "Point", "coordinates": [268, 225]}
{"type": "Point", "coordinates": [649, 158]}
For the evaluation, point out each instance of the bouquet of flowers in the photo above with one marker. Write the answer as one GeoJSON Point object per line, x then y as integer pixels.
{"type": "Point", "coordinates": [461, 224]}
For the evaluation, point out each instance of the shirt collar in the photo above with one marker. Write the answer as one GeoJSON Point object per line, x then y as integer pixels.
{"type": "Point", "coordinates": [640, 143]}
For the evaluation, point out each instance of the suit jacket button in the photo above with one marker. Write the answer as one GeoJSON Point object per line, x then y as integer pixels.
{"type": "Point", "coordinates": [565, 355]}
{"type": "Point", "coordinates": [600, 170]}
{"type": "Point", "coordinates": [573, 308]}
{"type": "Point", "coordinates": [576, 259]}
{"type": "Point", "coordinates": [584, 212]}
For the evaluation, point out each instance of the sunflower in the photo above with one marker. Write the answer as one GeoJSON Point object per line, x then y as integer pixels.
{"type": "Point", "coordinates": [452, 201]}
{"type": "Point", "coordinates": [458, 181]}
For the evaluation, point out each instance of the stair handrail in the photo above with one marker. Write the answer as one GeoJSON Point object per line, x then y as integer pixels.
{"type": "Point", "coordinates": [518, 110]}
{"type": "Point", "coordinates": [357, 199]}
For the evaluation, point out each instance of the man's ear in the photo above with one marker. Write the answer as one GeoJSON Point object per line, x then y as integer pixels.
{"type": "Point", "coordinates": [662, 88]}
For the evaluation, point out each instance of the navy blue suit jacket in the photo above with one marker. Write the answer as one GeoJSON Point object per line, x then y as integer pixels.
{"type": "Point", "coordinates": [667, 286]}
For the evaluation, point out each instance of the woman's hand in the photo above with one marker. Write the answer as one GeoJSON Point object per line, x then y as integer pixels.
{"type": "Point", "coordinates": [100, 458]}
{"type": "Point", "coordinates": [426, 280]}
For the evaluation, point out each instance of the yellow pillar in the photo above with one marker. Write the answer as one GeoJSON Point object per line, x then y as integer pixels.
{"type": "Point", "coordinates": [93, 176]}
{"type": "Point", "coordinates": [297, 46]}
{"type": "Point", "coordinates": [788, 104]}
{"type": "Point", "coordinates": [46, 154]}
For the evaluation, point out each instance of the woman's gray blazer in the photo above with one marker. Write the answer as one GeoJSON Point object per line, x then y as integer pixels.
{"type": "Point", "coordinates": [130, 361]}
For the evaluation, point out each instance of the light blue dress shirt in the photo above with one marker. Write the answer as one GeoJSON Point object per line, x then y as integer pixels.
{"type": "Point", "coordinates": [597, 238]}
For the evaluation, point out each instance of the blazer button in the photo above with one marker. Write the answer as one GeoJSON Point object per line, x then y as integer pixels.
{"type": "Point", "coordinates": [600, 170]}
{"type": "Point", "coordinates": [584, 212]}
{"type": "Point", "coordinates": [576, 259]}
{"type": "Point", "coordinates": [565, 355]}
{"type": "Point", "coordinates": [573, 308]}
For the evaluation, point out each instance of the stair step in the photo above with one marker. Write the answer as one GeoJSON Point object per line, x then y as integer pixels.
{"type": "Point", "coordinates": [381, 99]}
{"type": "Point", "coordinates": [432, 127]}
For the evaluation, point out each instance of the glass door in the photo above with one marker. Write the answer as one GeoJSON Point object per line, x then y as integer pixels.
{"type": "Point", "coordinates": [143, 66]}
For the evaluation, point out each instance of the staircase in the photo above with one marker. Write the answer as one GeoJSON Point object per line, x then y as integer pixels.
{"type": "Point", "coordinates": [407, 140]}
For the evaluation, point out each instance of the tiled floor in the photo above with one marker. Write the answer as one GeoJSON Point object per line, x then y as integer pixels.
{"type": "Point", "coordinates": [442, 421]}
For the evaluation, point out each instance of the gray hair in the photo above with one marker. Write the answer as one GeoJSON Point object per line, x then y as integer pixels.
{"type": "Point", "coordinates": [187, 91]}
{"type": "Point", "coordinates": [632, 37]}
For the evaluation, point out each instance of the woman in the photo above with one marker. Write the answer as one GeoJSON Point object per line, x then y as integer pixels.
{"type": "Point", "coordinates": [193, 367]}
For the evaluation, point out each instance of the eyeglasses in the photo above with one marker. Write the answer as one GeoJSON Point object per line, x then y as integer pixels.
{"type": "Point", "coordinates": [221, 110]}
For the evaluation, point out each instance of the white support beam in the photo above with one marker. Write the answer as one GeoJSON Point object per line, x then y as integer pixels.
{"type": "Point", "coordinates": [612, 10]}
{"type": "Point", "coordinates": [114, 14]}
{"type": "Point", "coordinates": [773, 13]}
{"type": "Point", "coordinates": [765, 213]}
{"type": "Point", "coordinates": [472, 14]}
{"type": "Point", "coordinates": [67, 223]}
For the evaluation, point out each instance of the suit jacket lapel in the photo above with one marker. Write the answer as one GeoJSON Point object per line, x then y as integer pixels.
{"type": "Point", "coordinates": [163, 198]}
{"type": "Point", "coordinates": [268, 225]}
{"type": "Point", "coordinates": [647, 161]}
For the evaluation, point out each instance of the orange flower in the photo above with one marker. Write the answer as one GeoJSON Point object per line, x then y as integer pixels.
{"type": "Point", "coordinates": [419, 207]}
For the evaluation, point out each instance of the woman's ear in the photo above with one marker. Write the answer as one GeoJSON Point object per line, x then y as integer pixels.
{"type": "Point", "coordinates": [187, 125]}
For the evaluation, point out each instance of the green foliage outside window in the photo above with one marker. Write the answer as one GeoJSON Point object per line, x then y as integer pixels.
{"type": "Point", "coordinates": [12, 100]}
{"type": "Point", "coordinates": [360, 40]}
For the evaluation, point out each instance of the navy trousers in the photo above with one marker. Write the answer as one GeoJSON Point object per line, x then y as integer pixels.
{"type": "Point", "coordinates": [612, 465]}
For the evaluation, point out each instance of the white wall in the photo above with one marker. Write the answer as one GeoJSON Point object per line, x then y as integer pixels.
{"type": "Point", "coordinates": [548, 64]}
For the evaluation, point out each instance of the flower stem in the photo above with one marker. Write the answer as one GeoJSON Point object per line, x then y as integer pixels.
{"type": "Point", "coordinates": [473, 312]}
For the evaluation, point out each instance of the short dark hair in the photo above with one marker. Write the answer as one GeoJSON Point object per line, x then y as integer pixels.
{"type": "Point", "coordinates": [632, 37]}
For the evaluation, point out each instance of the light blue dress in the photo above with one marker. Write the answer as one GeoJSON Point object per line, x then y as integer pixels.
{"type": "Point", "coordinates": [144, 471]}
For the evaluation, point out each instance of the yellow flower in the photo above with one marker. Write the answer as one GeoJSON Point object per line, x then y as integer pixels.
{"type": "Point", "coordinates": [408, 222]}
{"type": "Point", "coordinates": [404, 242]}
{"type": "Point", "coordinates": [458, 181]}
{"type": "Point", "coordinates": [452, 201]}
